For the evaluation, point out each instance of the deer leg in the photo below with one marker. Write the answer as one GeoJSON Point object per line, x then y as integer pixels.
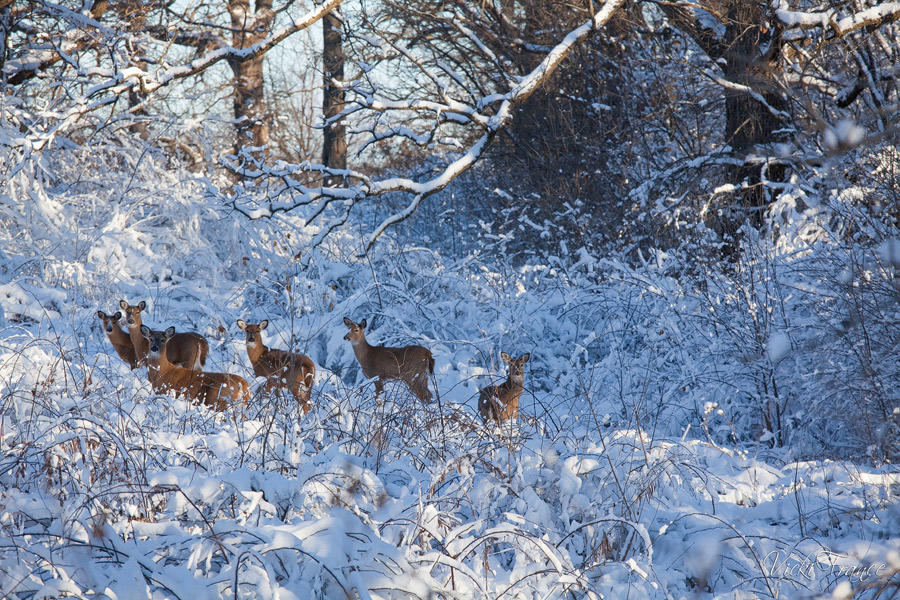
{"type": "Point", "coordinates": [425, 393]}
{"type": "Point", "coordinates": [271, 385]}
{"type": "Point", "coordinates": [301, 396]}
{"type": "Point", "coordinates": [419, 386]}
{"type": "Point", "coordinates": [379, 387]}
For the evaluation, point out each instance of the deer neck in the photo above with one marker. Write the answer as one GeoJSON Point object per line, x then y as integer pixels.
{"type": "Point", "coordinates": [514, 385]}
{"type": "Point", "coordinates": [256, 350]}
{"type": "Point", "coordinates": [141, 346]}
{"type": "Point", "coordinates": [160, 363]}
{"type": "Point", "coordinates": [364, 352]}
{"type": "Point", "coordinates": [119, 336]}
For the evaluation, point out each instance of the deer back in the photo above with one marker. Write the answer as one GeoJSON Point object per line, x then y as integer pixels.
{"type": "Point", "coordinates": [408, 362]}
{"type": "Point", "coordinates": [188, 350]}
{"type": "Point", "coordinates": [216, 390]}
{"type": "Point", "coordinates": [293, 367]}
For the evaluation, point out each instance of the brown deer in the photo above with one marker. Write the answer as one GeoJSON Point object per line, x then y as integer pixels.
{"type": "Point", "coordinates": [187, 349]}
{"type": "Point", "coordinates": [281, 369]}
{"type": "Point", "coordinates": [501, 402]}
{"type": "Point", "coordinates": [412, 364]}
{"type": "Point", "coordinates": [216, 390]}
{"type": "Point", "coordinates": [119, 338]}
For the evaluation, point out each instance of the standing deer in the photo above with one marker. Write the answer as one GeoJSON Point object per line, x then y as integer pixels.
{"type": "Point", "coordinates": [412, 364]}
{"type": "Point", "coordinates": [501, 402]}
{"type": "Point", "coordinates": [281, 369]}
{"type": "Point", "coordinates": [187, 349]}
{"type": "Point", "coordinates": [216, 390]}
{"type": "Point", "coordinates": [119, 338]}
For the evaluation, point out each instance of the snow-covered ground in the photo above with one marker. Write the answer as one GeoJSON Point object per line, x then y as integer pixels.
{"type": "Point", "coordinates": [643, 465]}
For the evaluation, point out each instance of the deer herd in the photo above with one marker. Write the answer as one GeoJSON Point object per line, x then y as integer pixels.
{"type": "Point", "coordinates": [175, 363]}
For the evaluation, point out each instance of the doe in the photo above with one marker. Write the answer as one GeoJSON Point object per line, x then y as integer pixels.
{"type": "Point", "coordinates": [119, 338]}
{"type": "Point", "coordinates": [187, 349]}
{"type": "Point", "coordinates": [282, 369]}
{"type": "Point", "coordinates": [501, 402]}
{"type": "Point", "coordinates": [411, 364]}
{"type": "Point", "coordinates": [216, 390]}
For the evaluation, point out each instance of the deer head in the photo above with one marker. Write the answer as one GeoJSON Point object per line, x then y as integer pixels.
{"type": "Point", "coordinates": [357, 331]}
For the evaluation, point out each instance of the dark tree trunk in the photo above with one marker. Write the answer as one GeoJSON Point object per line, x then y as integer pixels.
{"type": "Point", "coordinates": [334, 149]}
{"type": "Point", "coordinates": [751, 55]}
{"type": "Point", "coordinates": [248, 28]}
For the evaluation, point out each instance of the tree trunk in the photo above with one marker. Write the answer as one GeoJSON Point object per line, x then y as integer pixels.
{"type": "Point", "coordinates": [251, 124]}
{"type": "Point", "coordinates": [751, 57]}
{"type": "Point", "coordinates": [334, 149]}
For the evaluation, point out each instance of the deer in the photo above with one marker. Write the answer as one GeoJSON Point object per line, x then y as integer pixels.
{"type": "Point", "coordinates": [119, 338]}
{"type": "Point", "coordinates": [501, 402]}
{"type": "Point", "coordinates": [281, 369]}
{"type": "Point", "coordinates": [216, 390]}
{"type": "Point", "coordinates": [187, 349]}
{"type": "Point", "coordinates": [411, 364]}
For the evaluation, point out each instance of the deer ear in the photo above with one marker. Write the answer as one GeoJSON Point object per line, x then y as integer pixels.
{"type": "Point", "coordinates": [170, 332]}
{"type": "Point", "coordinates": [524, 358]}
{"type": "Point", "coordinates": [101, 314]}
{"type": "Point", "coordinates": [145, 331]}
{"type": "Point", "coordinates": [242, 325]}
{"type": "Point", "coordinates": [117, 316]}
{"type": "Point", "coordinates": [362, 324]}
{"type": "Point", "coordinates": [505, 357]}
{"type": "Point", "coordinates": [142, 305]}
{"type": "Point", "coordinates": [348, 322]}
{"type": "Point", "coordinates": [123, 304]}
{"type": "Point", "coordinates": [263, 324]}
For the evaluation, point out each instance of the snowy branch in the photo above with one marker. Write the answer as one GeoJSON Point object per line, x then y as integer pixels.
{"type": "Point", "coordinates": [874, 17]}
{"type": "Point", "coordinates": [116, 82]}
{"type": "Point", "coordinates": [447, 111]}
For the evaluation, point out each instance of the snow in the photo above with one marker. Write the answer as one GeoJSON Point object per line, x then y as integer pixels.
{"type": "Point", "coordinates": [778, 347]}
{"type": "Point", "coordinates": [845, 134]}
{"type": "Point", "coordinates": [636, 464]}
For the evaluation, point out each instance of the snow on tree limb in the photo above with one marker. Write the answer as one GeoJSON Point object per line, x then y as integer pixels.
{"type": "Point", "coordinates": [462, 112]}
{"type": "Point", "coordinates": [876, 16]}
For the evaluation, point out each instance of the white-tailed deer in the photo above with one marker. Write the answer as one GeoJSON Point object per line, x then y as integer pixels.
{"type": "Point", "coordinates": [411, 364]}
{"type": "Point", "coordinates": [281, 369]}
{"type": "Point", "coordinates": [216, 390]}
{"type": "Point", "coordinates": [119, 338]}
{"type": "Point", "coordinates": [187, 349]}
{"type": "Point", "coordinates": [501, 402]}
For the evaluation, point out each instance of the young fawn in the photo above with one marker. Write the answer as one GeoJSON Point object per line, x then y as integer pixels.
{"type": "Point", "coordinates": [119, 338]}
{"type": "Point", "coordinates": [281, 369]}
{"type": "Point", "coordinates": [501, 402]}
{"type": "Point", "coordinates": [186, 349]}
{"type": "Point", "coordinates": [216, 390]}
{"type": "Point", "coordinates": [412, 364]}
